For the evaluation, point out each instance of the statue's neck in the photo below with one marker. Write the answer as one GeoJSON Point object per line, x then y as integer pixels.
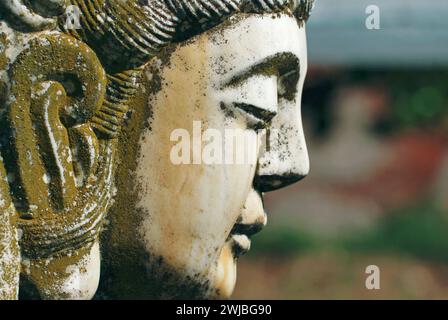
{"type": "Point", "coordinates": [123, 270]}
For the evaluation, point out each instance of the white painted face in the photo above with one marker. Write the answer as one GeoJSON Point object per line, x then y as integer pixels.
{"type": "Point", "coordinates": [246, 74]}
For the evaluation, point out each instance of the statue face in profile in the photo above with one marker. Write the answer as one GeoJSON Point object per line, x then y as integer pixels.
{"type": "Point", "coordinates": [196, 216]}
{"type": "Point", "coordinates": [134, 128]}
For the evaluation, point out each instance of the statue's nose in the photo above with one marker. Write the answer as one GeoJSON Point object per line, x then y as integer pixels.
{"type": "Point", "coordinates": [284, 156]}
{"type": "Point", "coordinates": [268, 183]}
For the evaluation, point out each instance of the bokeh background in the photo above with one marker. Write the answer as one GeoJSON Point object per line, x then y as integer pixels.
{"type": "Point", "coordinates": [375, 110]}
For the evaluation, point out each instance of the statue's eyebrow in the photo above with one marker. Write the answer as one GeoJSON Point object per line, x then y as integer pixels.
{"type": "Point", "coordinates": [280, 64]}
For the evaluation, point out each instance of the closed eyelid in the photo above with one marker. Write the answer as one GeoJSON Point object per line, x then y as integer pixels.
{"type": "Point", "coordinates": [256, 90]}
{"type": "Point", "coordinates": [257, 117]}
{"type": "Point", "coordinates": [259, 91]}
{"type": "Point", "coordinates": [259, 113]}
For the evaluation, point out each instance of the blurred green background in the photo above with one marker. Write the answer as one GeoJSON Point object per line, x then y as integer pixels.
{"type": "Point", "coordinates": [375, 111]}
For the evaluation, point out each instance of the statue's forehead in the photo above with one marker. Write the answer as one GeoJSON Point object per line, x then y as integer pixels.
{"type": "Point", "coordinates": [253, 40]}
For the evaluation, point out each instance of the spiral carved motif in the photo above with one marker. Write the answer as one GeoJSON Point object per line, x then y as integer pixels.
{"type": "Point", "coordinates": [54, 153]}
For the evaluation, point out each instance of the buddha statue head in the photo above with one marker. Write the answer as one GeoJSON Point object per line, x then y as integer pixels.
{"type": "Point", "coordinates": [186, 205]}
{"type": "Point", "coordinates": [160, 123]}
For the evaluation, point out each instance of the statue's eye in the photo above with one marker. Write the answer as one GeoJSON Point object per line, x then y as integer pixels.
{"type": "Point", "coordinates": [256, 89]}
{"type": "Point", "coordinates": [255, 98]}
{"type": "Point", "coordinates": [257, 118]}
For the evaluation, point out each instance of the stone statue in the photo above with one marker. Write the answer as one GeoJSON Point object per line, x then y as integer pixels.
{"type": "Point", "coordinates": [95, 96]}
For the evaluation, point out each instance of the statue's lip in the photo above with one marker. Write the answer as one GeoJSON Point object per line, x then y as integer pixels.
{"type": "Point", "coordinates": [240, 244]}
{"type": "Point", "coordinates": [252, 220]}
{"type": "Point", "coordinates": [240, 234]}
{"type": "Point", "coordinates": [251, 228]}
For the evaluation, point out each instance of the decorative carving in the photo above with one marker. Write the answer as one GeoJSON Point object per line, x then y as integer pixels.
{"type": "Point", "coordinates": [58, 203]}
{"type": "Point", "coordinates": [59, 174]}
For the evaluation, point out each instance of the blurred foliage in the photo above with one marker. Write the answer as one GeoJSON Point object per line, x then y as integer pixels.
{"type": "Point", "coordinates": [282, 241]}
{"type": "Point", "coordinates": [425, 104]}
{"type": "Point", "coordinates": [420, 231]}
{"type": "Point", "coordinates": [418, 98]}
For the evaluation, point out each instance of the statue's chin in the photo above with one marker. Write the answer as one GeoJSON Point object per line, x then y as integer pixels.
{"type": "Point", "coordinates": [226, 273]}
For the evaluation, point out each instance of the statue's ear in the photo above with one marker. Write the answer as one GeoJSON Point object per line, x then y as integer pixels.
{"type": "Point", "coordinates": [61, 170]}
